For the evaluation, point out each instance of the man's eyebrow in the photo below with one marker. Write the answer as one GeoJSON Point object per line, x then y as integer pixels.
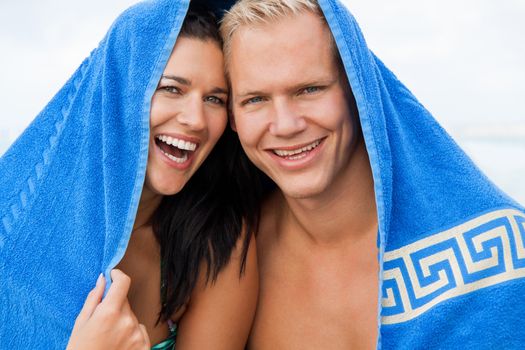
{"type": "Point", "coordinates": [247, 93]}
{"type": "Point", "coordinates": [294, 87]}
{"type": "Point", "coordinates": [315, 82]}
{"type": "Point", "coordinates": [179, 80]}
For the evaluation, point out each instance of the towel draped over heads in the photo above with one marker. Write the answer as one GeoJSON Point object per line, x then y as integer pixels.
{"type": "Point", "coordinates": [72, 181]}
{"type": "Point", "coordinates": [452, 245]}
{"type": "Point", "coordinates": [452, 251]}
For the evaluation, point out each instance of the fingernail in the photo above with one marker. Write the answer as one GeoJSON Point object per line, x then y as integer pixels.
{"type": "Point", "coordinates": [99, 279]}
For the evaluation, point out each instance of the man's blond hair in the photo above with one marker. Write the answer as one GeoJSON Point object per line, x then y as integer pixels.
{"type": "Point", "coordinates": [254, 12]}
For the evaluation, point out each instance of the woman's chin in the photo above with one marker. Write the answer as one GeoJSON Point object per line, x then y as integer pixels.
{"type": "Point", "coordinates": [170, 190]}
{"type": "Point", "coordinates": [164, 188]}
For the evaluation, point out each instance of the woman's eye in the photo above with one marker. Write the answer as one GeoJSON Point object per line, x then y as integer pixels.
{"type": "Point", "coordinates": [170, 89]}
{"type": "Point", "coordinates": [215, 100]}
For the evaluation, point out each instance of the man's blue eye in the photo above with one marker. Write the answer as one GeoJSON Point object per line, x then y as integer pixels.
{"type": "Point", "coordinates": [253, 100]}
{"type": "Point", "coordinates": [311, 89]}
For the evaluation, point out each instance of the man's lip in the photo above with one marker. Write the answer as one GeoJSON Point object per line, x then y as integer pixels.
{"type": "Point", "coordinates": [298, 161]}
{"type": "Point", "coordinates": [295, 147]}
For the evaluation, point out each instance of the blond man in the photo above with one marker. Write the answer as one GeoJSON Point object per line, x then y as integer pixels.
{"type": "Point", "coordinates": [382, 232]}
{"type": "Point", "coordinates": [296, 118]}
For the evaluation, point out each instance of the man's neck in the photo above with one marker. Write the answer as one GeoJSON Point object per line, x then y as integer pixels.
{"type": "Point", "coordinates": [344, 212]}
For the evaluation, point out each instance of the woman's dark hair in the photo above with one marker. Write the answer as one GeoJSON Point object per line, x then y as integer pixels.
{"type": "Point", "coordinates": [200, 226]}
{"type": "Point", "coordinates": [200, 23]}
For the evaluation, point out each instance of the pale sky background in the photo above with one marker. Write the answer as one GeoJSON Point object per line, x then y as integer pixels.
{"type": "Point", "coordinates": [464, 60]}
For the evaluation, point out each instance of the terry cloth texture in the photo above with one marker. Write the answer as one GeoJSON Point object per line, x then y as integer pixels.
{"type": "Point", "coordinates": [452, 247]}
{"type": "Point", "coordinates": [452, 250]}
{"type": "Point", "coordinates": [71, 183]}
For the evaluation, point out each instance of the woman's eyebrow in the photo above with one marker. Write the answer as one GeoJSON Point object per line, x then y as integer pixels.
{"type": "Point", "coordinates": [218, 90]}
{"type": "Point", "coordinates": [180, 80]}
{"type": "Point", "coordinates": [184, 81]}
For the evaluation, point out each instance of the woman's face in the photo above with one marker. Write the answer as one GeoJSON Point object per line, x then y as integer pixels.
{"type": "Point", "coordinates": [188, 114]}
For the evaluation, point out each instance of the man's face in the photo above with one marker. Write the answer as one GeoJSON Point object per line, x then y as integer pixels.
{"type": "Point", "coordinates": [291, 105]}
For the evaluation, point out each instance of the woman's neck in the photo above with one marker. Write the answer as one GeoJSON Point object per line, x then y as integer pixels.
{"type": "Point", "coordinates": [149, 202]}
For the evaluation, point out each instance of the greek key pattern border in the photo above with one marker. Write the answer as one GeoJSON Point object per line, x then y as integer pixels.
{"type": "Point", "coordinates": [479, 253]}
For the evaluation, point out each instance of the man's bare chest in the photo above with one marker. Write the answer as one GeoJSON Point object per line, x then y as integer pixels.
{"type": "Point", "coordinates": [309, 307]}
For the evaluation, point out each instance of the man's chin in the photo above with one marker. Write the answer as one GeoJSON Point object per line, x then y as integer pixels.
{"type": "Point", "coordinates": [299, 191]}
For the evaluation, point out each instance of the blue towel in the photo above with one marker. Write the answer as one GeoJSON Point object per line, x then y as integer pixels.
{"type": "Point", "coordinates": [71, 183]}
{"type": "Point", "coordinates": [451, 244]}
{"type": "Point", "coordinates": [452, 247]}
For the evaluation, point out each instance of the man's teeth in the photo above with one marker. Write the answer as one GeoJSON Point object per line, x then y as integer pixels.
{"type": "Point", "coordinates": [181, 144]}
{"type": "Point", "coordinates": [291, 153]}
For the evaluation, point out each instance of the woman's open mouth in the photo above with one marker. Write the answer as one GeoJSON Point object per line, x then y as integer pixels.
{"type": "Point", "coordinates": [175, 149]}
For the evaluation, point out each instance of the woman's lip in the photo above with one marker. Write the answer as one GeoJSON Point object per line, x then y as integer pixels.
{"type": "Point", "coordinates": [173, 164]}
{"type": "Point", "coordinates": [180, 137]}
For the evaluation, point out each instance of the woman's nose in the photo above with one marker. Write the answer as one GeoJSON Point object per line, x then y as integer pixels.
{"type": "Point", "coordinates": [192, 114]}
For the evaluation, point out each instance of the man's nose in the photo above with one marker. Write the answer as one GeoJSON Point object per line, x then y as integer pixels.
{"type": "Point", "coordinates": [287, 121]}
{"type": "Point", "coordinates": [192, 114]}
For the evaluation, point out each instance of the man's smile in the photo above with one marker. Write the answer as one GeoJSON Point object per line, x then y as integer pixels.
{"type": "Point", "coordinates": [296, 152]}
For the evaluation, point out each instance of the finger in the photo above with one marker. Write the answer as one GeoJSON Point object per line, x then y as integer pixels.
{"type": "Point", "coordinates": [127, 312]}
{"type": "Point", "coordinates": [145, 335]}
{"type": "Point", "coordinates": [118, 292]}
{"type": "Point", "coordinates": [92, 300]}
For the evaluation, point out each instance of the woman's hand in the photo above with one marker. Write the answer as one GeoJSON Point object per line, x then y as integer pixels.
{"type": "Point", "coordinates": [108, 323]}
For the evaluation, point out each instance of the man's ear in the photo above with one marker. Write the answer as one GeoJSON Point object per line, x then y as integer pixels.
{"type": "Point", "coordinates": [232, 121]}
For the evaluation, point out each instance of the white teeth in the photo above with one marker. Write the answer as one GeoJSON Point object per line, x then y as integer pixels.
{"type": "Point", "coordinates": [181, 144]}
{"type": "Point", "coordinates": [175, 159]}
{"type": "Point", "coordinates": [291, 153]}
